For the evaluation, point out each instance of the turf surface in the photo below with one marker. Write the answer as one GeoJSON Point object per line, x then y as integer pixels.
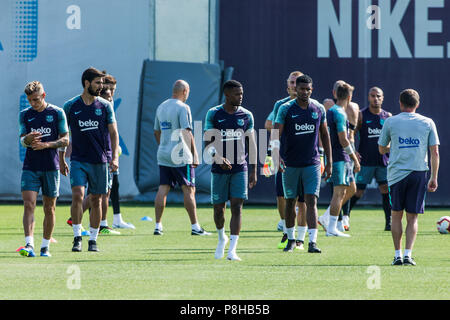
{"type": "Point", "coordinates": [178, 266]}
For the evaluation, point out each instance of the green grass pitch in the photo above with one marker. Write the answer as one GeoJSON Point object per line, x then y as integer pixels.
{"type": "Point", "coordinates": [177, 266]}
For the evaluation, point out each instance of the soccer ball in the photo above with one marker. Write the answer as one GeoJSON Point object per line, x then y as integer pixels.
{"type": "Point", "coordinates": [443, 225]}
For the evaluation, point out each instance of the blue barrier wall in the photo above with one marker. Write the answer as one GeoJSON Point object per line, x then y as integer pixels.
{"type": "Point", "coordinates": [390, 44]}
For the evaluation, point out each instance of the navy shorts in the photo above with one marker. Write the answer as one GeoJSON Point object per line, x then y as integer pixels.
{"type": "Point", "coordinates": [177, 175]}
{"type": "Point", "coordinates": [409, 193]}
{"type": "Point", "coordinates": [280, 190]}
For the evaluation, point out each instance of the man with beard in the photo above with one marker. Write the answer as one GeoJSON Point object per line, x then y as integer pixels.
{"type": "Point", "coordinates": [93, 126]}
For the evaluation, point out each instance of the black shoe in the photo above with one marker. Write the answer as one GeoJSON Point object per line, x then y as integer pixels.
{"type": "Point", "coordinates": [397, 261]}
{"type": "Point", "coordinates": [312, 248]}
{"type": "Point", "coordinates": [92, 245]}
{"type": "Point", "coordinates": [158, 232]}
{"type": "Point", "coordinates": [290, 246]}
{"type": "Point", "coordinates": [200, 232]}
{"type": "Point", "coordinates": [408, 261]}
{"type": "Point", "coordinates": [77, 244]}
{"type": "Point", "coordinates": [284, 238]}
{"type": "Point", "coordinates": [387, 227]}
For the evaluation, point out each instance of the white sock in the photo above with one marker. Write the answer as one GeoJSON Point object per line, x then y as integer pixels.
{"type": "Point", "coordinates": [332, 223]}
{"type": "Point", "coordinates": [312, 235]}
{"type": "Point", "coordinates": [301, 232]}
{"type": "Point", "coordinates": [94, 233]}
{"type": "Point", "coordinates": [233, 243]}
{"type": "Point", "coordinates": [327, 213]}
{"type": "Point", "coordinates": [290, 233]}
{"type": "Point", "coordinates": [221, 233]}
{"type": "Point", "coordinates": [104, 223]}
{"type": "Point", "coordinates": [117, 219]}
{"type": "Point", "coordinates": [29, 240]}
{"type": "Point", "coordinates": [45, 243]}
{"type": "Point", "coordinates": [398, 253]}
{"type": "Point", "coordinates": [196, 226]}
{"type": "Point", "coordinates": [158, 225]}
{"type": "Point", "coordinates": [408, 253]}
{"type": "Point", "coordinates": [76, 230]}
{"type": "Point", "coordinates": [283, 223]}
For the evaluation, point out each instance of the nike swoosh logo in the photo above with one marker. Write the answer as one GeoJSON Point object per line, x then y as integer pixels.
{"type": "Point", "coordinates": [221, 120]}
{"type": "Point", "coordinates": [77, 112]}
{"type": "Point", "coordinates": [369, 121]}
{"type": "Point", "coordinates": [295, 116]}
{"type": "Point", "coordinates": [29, 120]}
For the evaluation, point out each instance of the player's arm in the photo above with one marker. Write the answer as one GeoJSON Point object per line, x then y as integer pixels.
{"type": "Point", "coordinates": [252, 152]}
{"type": "Point", "coordinates": [114, 136]}
{"type": "Point", "coordinates": [157, 134]}
{"type": "Point", "coordinates": [326, 145]}
{"type": "Point", "coordinates": [434, 163]}
{"type": "Point", "coordinates": [185, 119]}
{"type": "Point", "coordinates": [188, 139]}
{"type": "Point", "coordinates": [346, 145]}
{"type": "Point", "coordinates": [62, 142]}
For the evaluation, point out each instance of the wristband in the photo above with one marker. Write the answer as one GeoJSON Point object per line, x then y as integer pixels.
{"type": "Point", "coordinates": [62, 149]}
{"type": "Point", "coordinates": [22, 142]}
{"type": "Point", "coordinates": [348, 149]}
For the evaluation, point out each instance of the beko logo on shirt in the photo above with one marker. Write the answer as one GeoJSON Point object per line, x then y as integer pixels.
{"type": "Point", "coordinates": [231, 134]}
{"type": "Point", "coordinates": [45, 132]}
{"type": "Point", "coordinates": [375, 132]}
{"type": "Point", "coordinates": [408, 142]}
{"type": "Point", "coordinates": [304, 128]}
{"type": "Point", "coordinates": [88, 125]}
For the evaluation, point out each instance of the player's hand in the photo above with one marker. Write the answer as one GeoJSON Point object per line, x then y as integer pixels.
{"type": "Point", "coordinates": [432, 185]}
{"type": "Point", "coordinates": [282, 166]}
{"type": "Point", "coordinates": [252, 179]}
{"type": "Point", "coordinates": [37, 144]}
{"type": "Point", "coordinates": [114, 165]}
{"type": "Point", "coordinates": [226, 164]}
{"type": "Point", "coordinates": [328, 171]}
{"type": "Point", "coordinates": [31, 137]}
{"type": "Point", "coordinates": [63, 167]}
{"type": "Point", "coordinates": [357, 167]}
{"type": "Point", "coordinates": [358, 156]}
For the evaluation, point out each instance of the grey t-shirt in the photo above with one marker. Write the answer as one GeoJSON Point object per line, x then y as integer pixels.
{"type": "Point", "coordinates": [410, 135]}
{"type": "Point", "coordinates": [172, 116]}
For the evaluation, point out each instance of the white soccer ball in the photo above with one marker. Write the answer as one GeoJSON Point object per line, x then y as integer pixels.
{"type": "Point", "coordinates": [443, 225]}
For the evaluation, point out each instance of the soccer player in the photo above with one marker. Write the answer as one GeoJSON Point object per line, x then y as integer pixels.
{"type": "Point", "coordinates": [302, 121]}
{"type": "Point", "coordinates": [352, 111]}
{"type": "Point", "coordinates": [173, 117]}
{"type": "Point", "coordinates": [43, 129]}
{"type": "Point", "coordinates": [343, 153]}
{"type": "Point", "coordinates": [227, 128]}
{"type": "Point", "coordinates": [301, 215]}
{"type": "Point", "coordinates": [92, 123]}
{"type": "Point", "coordinates": [408, 137]}
{"type": "Point", "coordinates": [107, 93]}
{"type": "Point", "coordinates": [373, 164]}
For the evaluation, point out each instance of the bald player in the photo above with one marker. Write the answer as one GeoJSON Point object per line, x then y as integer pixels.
{"type": "Point", "coordinates": [373, 164]}
{"type": "Point", "coordinates": [176, 166]}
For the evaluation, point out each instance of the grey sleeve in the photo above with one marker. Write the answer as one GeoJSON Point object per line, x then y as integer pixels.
{"type": "Point", "coordinates": [385, 138]}
{"type": "Point", "coordinates": [156, 126]}
{"type": "Point", "coordinates": [185, 118]}
{"type": "Point", "coordinates": [433, 138]}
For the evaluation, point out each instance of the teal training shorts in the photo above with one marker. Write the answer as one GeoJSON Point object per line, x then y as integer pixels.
{"type": "Point", "coordinates": [35, 180]}
{"type": "Point", "coordinates": [225, 186]}
{"type": "Point", "coordinates": [95, 176]}
{"type": "Point", "coordinates": [294, 178]}
{"type": "Point", "coordinates": [342, 173]}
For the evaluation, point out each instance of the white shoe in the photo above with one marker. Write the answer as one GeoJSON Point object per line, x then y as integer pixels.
{"type": "Point", "coordinates": [233, 256]}
{"type": "Point", "coordinates": [337, 233]}
{"type": "Point", "coordinates": [346, 222]}
{"type": "Point", "coordinates": [340, 226]}
{"type": "Point", "coordinates": [323, 222]}
{"type": "Point", "coordinates": [220, 250]}
{"type": "Point", "coordinates": [123, 225]}
{"type": "Point", "coordinates": [280, 226]}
